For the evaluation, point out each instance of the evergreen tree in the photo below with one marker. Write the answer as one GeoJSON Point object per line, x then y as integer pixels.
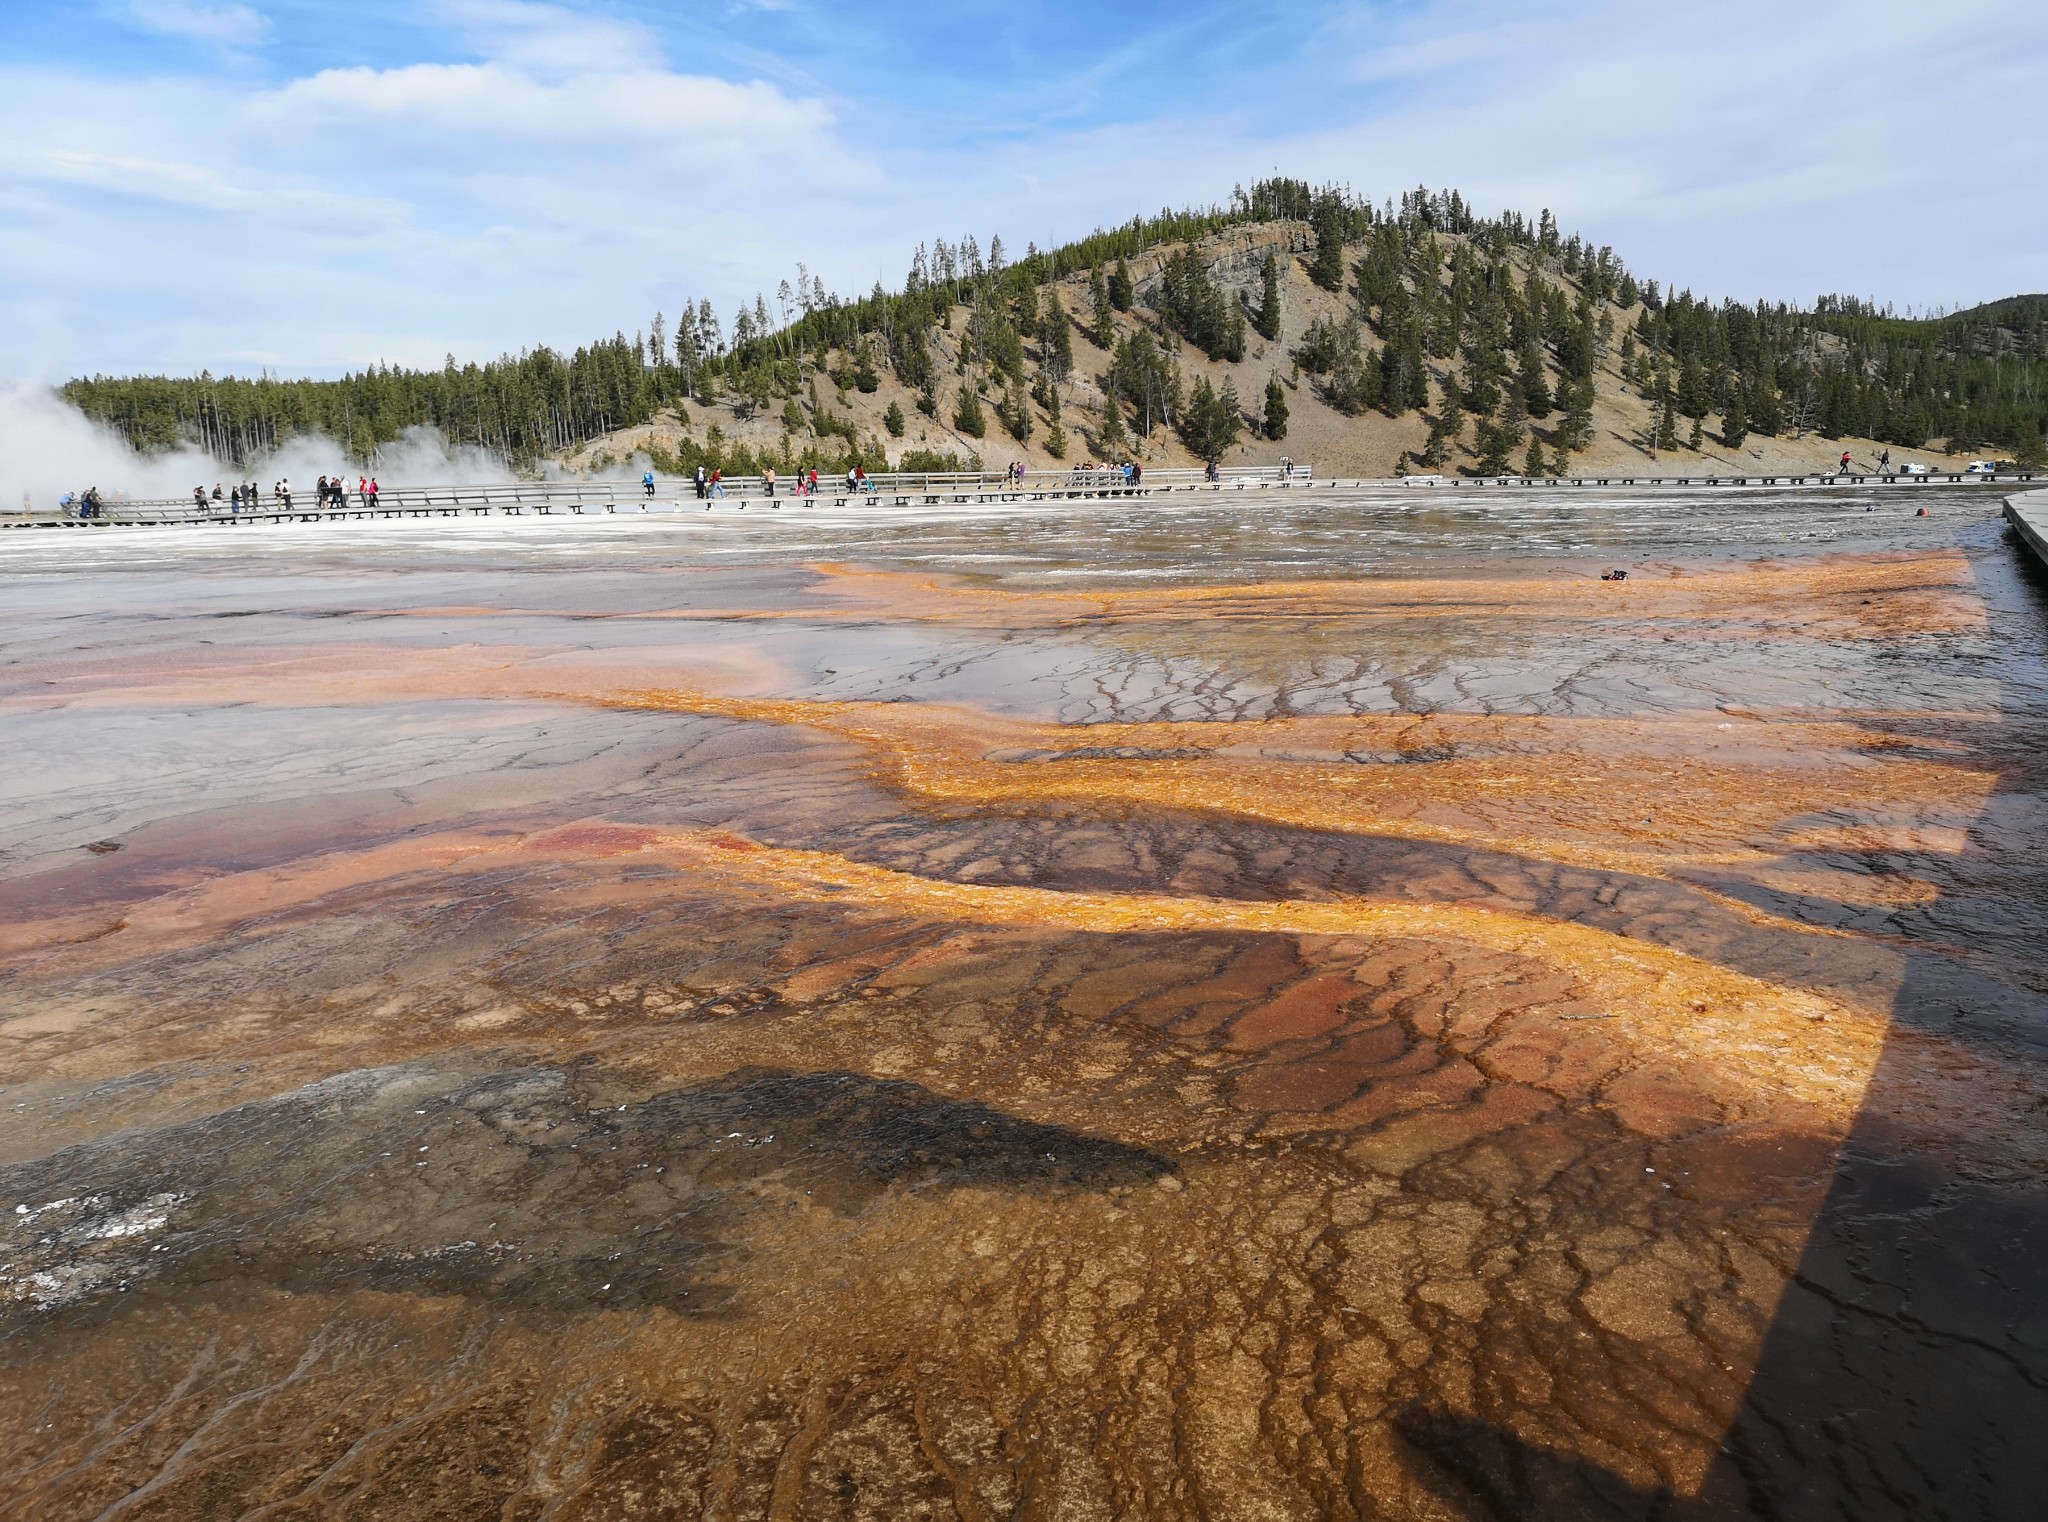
{"type": "Point", "coordinates": [1496, 447]}
{"type": "Point", "coordinates": [967, 414]}
{"type": "Point", "coordinates": [1056, 442]}
{"type": "Point", "coordinates": [1667, 424]}
{"type": "Point", "coordinates": [1766, 412]}
{"type": "Point", "coordinates": [1055, 339]}
{"type": "Point", "coordinates": [1121, 290]}
{"type": "Point", "coordinates": [1575, 429]}
{"type": "Point", "coordinates": [1267, 319]}
{"type": "Point", "coordinates": [1735, 418]}
{"type": "Point", "coordinates": [893, 421]}
{"type": "Point", "coordinates": [1450, 414]}
{"type": "Point", "coordinates": [1015, 415]}
{"type": "Point", "coordinates": [865, 380]}
{"type": "Point", "coordinates": [1533, 463]}
{"type": "Point", "coordinates": [928, 397]}
{"type": "Point", "coordinates": [1535, 387]}
{"type": "Point", "coordinates": [1113, 439]}
{"type": "Point", "coordinates": [1328, 269]}
{"type": "Point", "coordinates": [1210, 422]}
{"type": "Point", "coordinates": [1103, 333]}
{"type": "Point", "coordinates": [1698, 436]}
{"type": "Point", "coordinates": [1276, 408]}
{"type": "Point", "coordinates": [1695, 395]}
{"type": "Point", "coordinates": [1433, 448]}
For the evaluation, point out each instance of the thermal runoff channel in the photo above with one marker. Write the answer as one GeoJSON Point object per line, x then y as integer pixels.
{"type": "Point", "coordinates": [1300, 1007]}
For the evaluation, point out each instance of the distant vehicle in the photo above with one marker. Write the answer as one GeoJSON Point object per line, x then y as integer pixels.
{"type": "Point", "coordinates": [1911, 469]}
{"type": "Point", "coordinates": [1981, 468]}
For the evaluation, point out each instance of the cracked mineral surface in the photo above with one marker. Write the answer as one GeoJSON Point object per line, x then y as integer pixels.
{"type": "Point", "coordinates": [1318, 1009]}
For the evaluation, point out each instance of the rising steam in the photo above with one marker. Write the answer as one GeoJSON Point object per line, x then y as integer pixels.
{"type": "Point", "coordinates": [49, 447]}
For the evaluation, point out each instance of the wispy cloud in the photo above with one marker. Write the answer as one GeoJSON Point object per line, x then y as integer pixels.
{"type": "Point", "coordinates": [485, 174]}
{"type": "Point", "coordinates": [226, 26]}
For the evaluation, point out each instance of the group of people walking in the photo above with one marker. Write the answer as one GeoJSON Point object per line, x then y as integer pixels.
{"type": "Point", "coordinates": [711, 483]}
{"type": "Point", "coordinates": [245, 496]}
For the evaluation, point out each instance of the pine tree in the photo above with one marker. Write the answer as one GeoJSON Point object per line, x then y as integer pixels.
{"type": "Point", "coordinates": [1667, 424]}
{"type": "Point", "coordinates": [928, 397]}
{"type": "Point", "coordinates": [1698, 436]}
{"type": "Point", "coordinates": [1267, 319]}
{"type": "Point", "coordinates": [1055, 339]}
{"type": "Point", "coordinates": [1016, 415]}
{"type": "Point", "coordinates": [1121, 289]}
{"type": "Point", "coordinates": [967, 414]}
{"type": "Point", "coordinates": [1433, 450]}
{"type": "Point", "coordinates": [1056, 442]}
{"type": "Point", "coordinates": [1328, 269]}
{"type": "Point", "coordinates": [1533, 462]}
{"type": "Point", "coordinates": [1766, 412]}
{"type": "Point", "coordinates": [1450, 414]}
{"type": "Point", "coordinates": [1496, 447]}
{"type": "Point", "coordinates": [1103, 333]}
{"type": "Point", "coordinates": [1276, 408]}
{"type": "Point", "coordinates": [1114, 439]}
{"type": "Point", "coordinates": [1210, 422]}
{"type": "Point", "coordinates": [1534, 385]}
{"type": "Point", "coordinates": [893, 421]}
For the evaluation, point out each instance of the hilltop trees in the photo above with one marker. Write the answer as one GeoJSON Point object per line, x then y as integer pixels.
{"type": "Point", "coordinates": [1328, 269]}
{"type": "Point", "coordinates": [1515, 311]}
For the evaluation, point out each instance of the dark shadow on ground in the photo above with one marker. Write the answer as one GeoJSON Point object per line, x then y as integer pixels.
{"type": "Point", "coordinates": [1906, 1373]}
{"type": "Point", "coordinates": [541, 1187]}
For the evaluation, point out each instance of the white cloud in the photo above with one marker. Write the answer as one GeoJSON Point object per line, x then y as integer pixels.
{"type": "Point", "coordinates": [569, 178]}
{"type": "Point", "coordinates": [227, 26]}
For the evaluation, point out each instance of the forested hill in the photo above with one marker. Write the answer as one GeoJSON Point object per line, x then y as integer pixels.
{"type": "Point", "coordinates": [1479, 327]}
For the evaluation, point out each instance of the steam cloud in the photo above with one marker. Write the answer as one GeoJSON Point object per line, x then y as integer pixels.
{"type": "Point", "coordinates": [49, 447]}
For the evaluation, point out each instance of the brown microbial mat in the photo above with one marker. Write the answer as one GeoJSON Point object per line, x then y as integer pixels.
{"type": "Point", "coordinates": [1327, 1010]}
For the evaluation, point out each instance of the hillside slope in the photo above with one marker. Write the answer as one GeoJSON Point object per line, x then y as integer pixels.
{"type": "Point", "coordinates": [1370, 443]}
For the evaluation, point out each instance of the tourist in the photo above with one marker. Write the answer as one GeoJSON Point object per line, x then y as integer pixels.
{"type": "Point", "coordinates": [199, 499]}
{"type": "Point", "coordinates": [697, 480]}
{"type": "Point", "coordinates": [717, 483]}
{"type": "Point", "coordinates": [860, 479]}
{"type": "Point", "coordinates": [216, 492]}
{"type": "Point", "coordinates": [647, 481]}
{"type": "Point", "coordinates": [814, 480]}
{"type": "Point", "coordinates": [1845, 464]}
{"type": "Point", "coordinates": [768, 478]}
{"type": "Point", "coordinates": [1884, 462]}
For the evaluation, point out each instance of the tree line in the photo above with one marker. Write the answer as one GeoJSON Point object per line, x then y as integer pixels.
{"type": "Point", "coordinates": [1493, 324]}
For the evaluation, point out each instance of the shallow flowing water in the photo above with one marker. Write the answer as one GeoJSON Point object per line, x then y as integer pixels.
{"type": "Point", "coordinates": [1320, 1008]}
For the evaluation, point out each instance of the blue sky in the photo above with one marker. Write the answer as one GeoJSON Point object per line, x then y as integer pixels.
{"type": "Point", "coordinates": [308, 186]}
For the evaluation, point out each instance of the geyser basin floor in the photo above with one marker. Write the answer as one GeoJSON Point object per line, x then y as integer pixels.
{"type": "Point", "coordinates": [1114, 1013]}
